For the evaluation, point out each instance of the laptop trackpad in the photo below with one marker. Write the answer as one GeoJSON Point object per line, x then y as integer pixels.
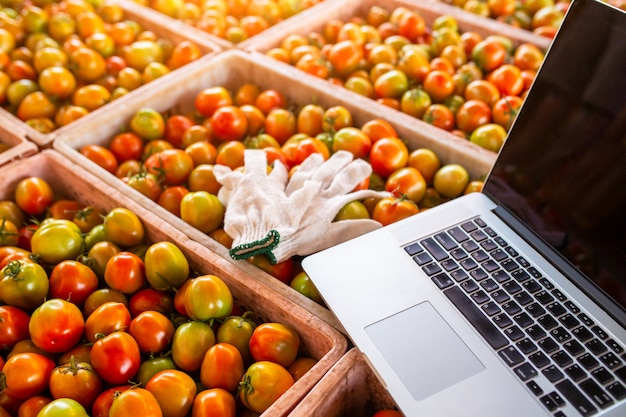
{"type": "Point", "coordinates": [425, 353]}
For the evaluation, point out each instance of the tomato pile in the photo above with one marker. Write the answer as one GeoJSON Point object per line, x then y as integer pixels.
{"type": "Point", "coordinates": [95, 320]}
{"type": "Point", "coordinates": [464, 83]}
{"type": "Point", "coordinates": [62, 60]}
{"type": "Point", "coordinates": [170, 158]}
{"type": "Point", "coordinates": [232, 20]}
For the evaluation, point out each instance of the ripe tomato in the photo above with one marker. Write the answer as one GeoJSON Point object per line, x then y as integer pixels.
{"type": "Point", "coordinates": [152, 330]}
{"type": "Point", "coordinates": [508, 79]}
{"type": "Point", "coordinates": [126, 146]}
{"type": "Point", "coordinates": [174, 390]}
{"type": "Point", "coordinates": [262, 384]}
{"type": "Point", "coordinates": [407, 181]}
{"type": "Point", "coordinates": [57, 240]}
{"type": "Point", "coordinates": [175, 127]}
{"type": "Point", "coordinates": [191, 341]}
{"type": "Point", "coordinates": [13, 326]}
{"type": "Point", "coordinates": [222, 367]}
{"type": "Point", "coordinates": [336, 118]}
{"type": "Point", "coordinates": [210, 99]}
{"type": "Point", "coordinates": [503, 111]}
{"type": "Point", "coordinates": [123, 227]}
{"type": "Point", "coordinates": [387, 155]}
{"type": "Point", "coordinates": [208, 297]}
{"type": "Point", "coordinates": [128, 402]}
{"type": "Point", "coordinates": [67, 328]}
{"type": "Point", "coordinates": [63, 407]}
{"type": "Point", "coordinates": [23, 284]}
{"type": "Point", "coordinates": [32, 406]}
{"type": "Point", "coordinates": [439, 115]}
{"type": "Point", "coordinates": [125, 272]}
{"type": "Point", "coordinates": [75, 380]}
{"type": "Point", "coordinates": [150, 299]}
{"type": "Point", "coordinates": [26, 375]}
{"type": "Point", "coordinates": [215, 402]}
{"type": "Point", "coordinates": [472, 114]}
{"type": "Point", "coordinates": [171, 197]}
{"type": "Point", "coordinates": [283, 271]}
{"type": "Point", "coordinates": [301, 366]}
{"type": "Point", "coordinates": [166, 267]}
{"type": "Point", "coordinates": [438, 85]}
{"type": "Point", "coordinates": [202, 210]}
{"type": "Point", "coordinates": [392, 209]}
{"type": "Point", "coordinates": [388, 413]}
{"type": "Point", "coordinates": [72, 281]}
{"type": "Point", "coordinates": [33, 195]}
{"type": "Point", "coordinates": [425, 161]}
{"type": "Point", "coordinates": [450, 180]}
{"type": "Point", "coordinates": [229, 123]}
{"type": "Point", "coordinates": [107, 318]}
{"type": "Point", "coordinates": [146, 183]}
{"type": "Point", "coordinates": [101, 156]}
{"type": "Point", "coordinates": [116, 358]}
{"type": "Point", "coordinates": [353, 140]}
{"type": "Point", "coordinates": [489, 54]}
{"type": "Point", "coordinates": [275, 342]}
{"type": "Point", "coordinates": [171, 165]}
{"type": "Point", "coordinates": [281, 124]}
{"type": "Point", "coordinates": [102, 404]}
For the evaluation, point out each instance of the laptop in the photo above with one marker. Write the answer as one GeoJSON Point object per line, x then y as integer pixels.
{"type": "Point", "coordinates": [512, 301]}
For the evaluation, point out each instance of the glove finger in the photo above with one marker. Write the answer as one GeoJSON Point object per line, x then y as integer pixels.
{"type": "Point", "coordinates": [348, 178]}
{"type": "Point", "coordinates": [226, 176]}
{"type": "Point", "coordinates": [279, 174]}
{"type": "Point", "coordinates": [332, 167]}
{"type": "Point", "coordinates": [255, 162]}
{"type": "Point", "coordinates": [304, 172]}
{"type": "Point", "coordinates": [335, 204]}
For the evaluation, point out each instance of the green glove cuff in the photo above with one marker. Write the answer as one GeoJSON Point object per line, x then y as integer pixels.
{"type": "Point", "coordinates": [262, 246]}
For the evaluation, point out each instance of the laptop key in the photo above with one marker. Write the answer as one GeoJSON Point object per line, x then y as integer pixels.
{"type": "Point", "coordinates": [582, 333]}
{"type": "Point", "coordinates": [523, 319]}
{"type": "Point", "coordinates": [526, 346]}
{"type": "Point", "coordinates": [470, 246]}
{"type": "Point", "coordinates": [575, 397]}
{"type": "Point", "coordinates": [617, 348]}
{"type": "Point", "coordinates": [413, 248]}
{"type": "Point", "coordinates": [576, 373]}
{"type": "Point", "coordinates": [502, 320]}
{"type": "Point", "coordinates": [475, 316]}
{"type": "Point", "coordinates": [434, 249]}
{"type": "Point", "coordinates": [602, 375]}
{"type": "Point", "coordinates": [469, 226]}
{"type": "Point", "coordinates": [480, 297]}
{"type": "Point", "coordinates": [459, 275]}
{"type": "Point", "coordinates": [547, 322]}
{"type": "Point", "coordinates": [488, 245]}
{"type": "Point", "coordinates": [552, 401]}
{"type": "Point", "coordinates": [560, 334]}
{"type": "Point", "coordinates": [548, 345]}
{"type": "Point", "coordinates": [449, 265]}
{"type": "Point", "coordinates": [534, 387]}
{"type": "Point", "coordinates": [514, 333]}
{"type": "Point", "coordinates": [469, 286]}
{"type": "Point", "coordinates": [617, 390]}
{"type": "Point", "coordinates": [597, 394]}
{"type": "Point", "coordinates": [458, 234]}
{"type": "Point", "coordinates": [561, 358]}
{"type": "Point", "coordinates": [511, 307]}
{"type": "Point", "coordinates": [588, 361]}
{"type": "Point", "coordinates": [431, 269]}
{"type": "Point", "coordinates": [446, 241]}
{"type": "Point", "coordinates": [573, 347]}
{"type": "Point", "coordinates": [511, 356]}
{"type": "Point", "coordinates": [600, 332]}
{"type": "Point", "coordinates": [458, 254]}
{"type": "Point", "coordinates": [556, 309]}
{"type": "Point", "coordinates": [525, 371]}
{"type": "Point", "coordinates": [610, 360]}
{"type": "Point", "coordinates": [500, 296]}
{"type": "Point", "coordinates": [442, 281]}
{"type": "Point", "coordinates": [552, 373]}
{"type": "Point", "coordinates": [539, 359]}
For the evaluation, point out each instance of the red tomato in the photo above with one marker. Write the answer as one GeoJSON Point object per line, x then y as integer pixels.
{"type": "Point", "coordinates": [214, 402]}
{"type": "Point", "coordinates": [13, 326]}
{"type": "Point", "coordinates": [283, 271]}
{"type": "Point", "coordinates": [56, 325]}
{"type": "Point", "coordinates": [116, 358]}
{"type": "Point", "coordinates": [388, 413]}
{"type": "Point", "coordinates": [229, 123]}
{"type": "Point", "coordinates": [275, 342]}
{"type": "Point", "coordinates": [107, 318]}
{"type": "Point", "coordinates": [101, 156]}
{"type": "Point", "coordinates": [32, 406]}
{"type": "Point", "coordinates": [128, 402]}
{"type": "Point", "coordinates": [72, 281]}
{"type": "Point", "coordinates": [175, 127]}
{"type": "Point", "coordinates": [407, 181]}
{"type": "Point", "coordinates": [174, 390]}
{"type": "Point", "coordinates": [102, 404]}
{"type": "Point", "coordinates": [76, 380]}
{"type": "Point", "coordinates": [153, 331]}
{"type": "Point", "coordinates": [149, 299]}
{"type": "Point", "coordinates": [262, 384]}
{"type": "Point", "coordinates": [33, 195]}
{"type": "Point", "coordinates": [173, 166]}
{"type": "Point", "coordinates": [392, 209]}
{"type": "Point", "coordinates": [26, 375]}
{"type": "Point", "coordinates": [222, 367]}
{"type": "Point", "coordinates": [125, 272]}
{"type": "Point", "coordinates": [387, 155]}
{"type": "Point", "coordinates": [126, 146]}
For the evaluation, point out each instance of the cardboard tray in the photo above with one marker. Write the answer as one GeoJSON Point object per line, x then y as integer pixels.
{"type": "Point", "coordinates": [230, 69]}
{"type": "Point", "coordinates": [349, 389]}
{"type": "Point", "coordinates": [15, 138]}
{"type": "Point", "coordinates": [319, 340]}
{"type": "Point", "coordinates": [163, 29]}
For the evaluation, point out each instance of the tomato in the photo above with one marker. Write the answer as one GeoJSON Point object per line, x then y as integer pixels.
{"type": "Point", "coordinates": [171, 197]}
{"type": "Point", "coordinates": [116, 358]}
{"type": "Point", "coordinates": [503, 111]}
{"type": "Point", "coordinates": [237, 330]}
{"type": "Point", "coordinates": [128, 402]}
{"type": "Point", "coordinates": [353, 140]}
{"type": "Point", "coordinates": [228, 123]}
{"type": "Point", "coordinates": [171, 165]}
{"type": "Point", "coordinates": [335, 118]}
{"type": "Point", "coordinates": [222, 367]}
{"type": "Point", "coordinates": [438, 85]}
{"type": "Point", "coordinates": [150, 299]}
{"type": "Point", "coordinates": [281, 124]}
{"type": "Point", "coordinates": [489, 136]}
{"type": "Point", "coordinates": [126, 146]}
{"type": "Point", "coordinates": [11, 211]}
{"type": "Point", "coordinates": [303, 284]}
{"type": "Point", "coordinates": [23, 284]}
{"type": "Point", "coordinates": [146, 183]}
{"type": "Point", "coordinates": [26, 375]}
{"type": "Point", "coordinates": [482, 90]}
{"type": "Point", "coordinates": [32, 406]}
{"type": "Point", "coordinates": [75, 380]}
{"type": "Point", "coordinates": [123, 227]}
{"type": "Point", "coordinates": [202, 178]}
{"type": "Point", "coordinates": [388, 413]}
{"type": "Point", "coordinates": [166, 267]}
{"type": "Point", "coordinates": [472, 114]}
{"type": "Point", "coordinates": [63, 209]}
{"type": "Point", "coordinates": [13, 326]}
{"type": "Point", "coordinates": [98, 256]}
{"type": "Point", "coordinates": [439, 115]}
{"type": "Point", "coordinates": [283, 271]}
{"type": "Point", "coordinates": [33, 195]}
{"type": "Point", "coordinates": [202, 210]}
{"type": "Point", "coordinates": [208, 297]}
{"type": "Point", "coordinates": [81, 353]}
{"type": "Point", "coordinates": [387, 155]}
{"type": "Point", "coordinates": [215, 402]}
{"type": "Point", "coordinates": [103, 402]}
{"type": "Point", "coordinates": [301, 366]}
{"type": "Point", "coordinates": [450, 180]}
{"type": "Point", "coordinates": [72, 281]}
{"type": "Point", "coordinates": [425, 161]}
{"type": "Point", "coordinates": [57, 240]}
{"type": "Point", "coordinates": [101, 296]}
{"type": "Point", "coordinates": [152, 330]}
{"type": "Point", "coordinates": [66, 331]}
{"type": "Point", "coordinates": [275, 342]}
{"type": "Point", "coordinates": [174, 390]}
{"type": "Point", "coordinates": [101, 156]}
{"type": "Point", "coordinates": [210, 99]}
{"type": "Point", "coordinates": [107, 318]}
{"type": "Point", "coordinates": [508, 79]}
{"type": "Point", "coordinates": [392, 209]}
{"type": "Point", "coordinates": [407, 181]}
{"type": "Point", "coordinates": [262, 384]}
{"type": "Point", "coordinates": [175, 127]}
{"type": "Point", "coordinates": [528, 56]}
{"type": "Point", "coordinates": [125, 272]}
{"type": "Point", "coordinates": [191, 341]}
{"type": "Point", "coordinates": [148, 123]}
{"type": "Point", "coordinates": [63, 407]}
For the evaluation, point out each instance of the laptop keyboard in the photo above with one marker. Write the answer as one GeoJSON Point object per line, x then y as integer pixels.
{"type": "Point", "coordinates": [535, 330]}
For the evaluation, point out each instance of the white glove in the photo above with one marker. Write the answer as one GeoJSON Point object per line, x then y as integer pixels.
{"type": "Point", "coordinates": [335, 179]}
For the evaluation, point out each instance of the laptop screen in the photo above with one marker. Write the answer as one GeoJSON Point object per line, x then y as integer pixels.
{"type": "Point", "coordinates": [563, 168]}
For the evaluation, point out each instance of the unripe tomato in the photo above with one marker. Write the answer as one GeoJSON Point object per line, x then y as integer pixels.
{"type": "Point", "coordinates": [202, 210]}
{"type": "Point", "coordinates": [166, 266]}
{"type": "Point", "coordinates": [237, 331]}
{"type": "Point", "coordinates": [208, 297]}
{"type": "Point", "coordinates": [63, 407]}
{"type": "Point", "coordinates": [191, 341]}
{"type": "Point", "coordinates": [23, 284]}
{"type": "Point", "coordinates": [262, 384]}
{"type": "Point", "coordinates": [57, 240]}
{"type": "Point", "coordinates": [123, 227]}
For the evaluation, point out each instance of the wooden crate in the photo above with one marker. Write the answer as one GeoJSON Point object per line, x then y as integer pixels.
{"type": "Point", "coordinates": [14, 137]}
{"type": "Point", "coordinates": [349, 389]}
{"type": "Point", "coordinates": [165, 30]}
{"type": "Point", "coordinates": [319, 339]}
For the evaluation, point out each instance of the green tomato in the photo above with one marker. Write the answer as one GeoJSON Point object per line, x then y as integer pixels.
{"type": "Point", "coordinates": [166, 266]}
{"type": "Point", "coordinates": [23, 284]}
{"type": "Point", "coordinates": [303, 284]}
{"type": "Point", "coordinates": [152, 366]}
{"type": "Point", "coordinates": [57, 240]}
{"type": "Point", "coordinates": [63, 407]}
{"type": "Point", "coordinates": [190, 343]}
{"type": "Point", "coordinates": [202, 210]}
{"type": "Point", "coordinates": [208, 297]}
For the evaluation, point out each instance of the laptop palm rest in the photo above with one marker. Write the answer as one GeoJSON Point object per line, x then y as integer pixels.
{"type": "Point", "coordinates": [438, 358]}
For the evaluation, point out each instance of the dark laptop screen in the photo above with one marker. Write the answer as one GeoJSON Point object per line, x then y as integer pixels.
{"type": "Point", "coordinates": [563, 169]}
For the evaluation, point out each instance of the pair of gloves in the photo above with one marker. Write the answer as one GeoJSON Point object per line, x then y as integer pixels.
{"type": "Point", "coordinates": [272, 214]}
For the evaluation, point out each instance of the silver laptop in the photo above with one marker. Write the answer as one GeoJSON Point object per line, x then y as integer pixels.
{"type": "Point", "coordinates": [510, 302]}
